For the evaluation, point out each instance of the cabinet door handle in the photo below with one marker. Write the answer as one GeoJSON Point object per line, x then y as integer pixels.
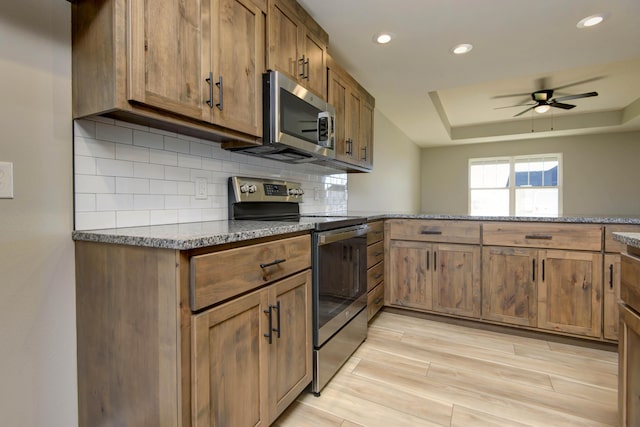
{"type": "Point", "coordinates": [210, 81]}
{"type": "Point", "coordinates": [533, 270]}
{"type": "Point", "coordinates": [428, 260]}
{"type": "Point", "coordinates": [274, 262]}
{"type": "Point", "coordinates": [307, 73]}
{"type": "Point", "coordinates": [538, 236]}
{"type": "Point", "coordinates": [349, 146]}
{"type": "Point", "coordinates": [364, 156]}
{"type": "Point", "coordinates": [431, 232]}
{"type": "Point", "coordinates": [435, 262]}
{"type": "Point", "coordinates": [611, 276]}
{"type": "Point", "coordinates": [219, 84]}
{"type": "Point", "coordinates": [302, 62]}
{"type": "Point", "coordinates": [269, 335]}
{"type": "Point", "coordinates": [277, 308]}
{"type": "Point", "coordinates": [543, 270]}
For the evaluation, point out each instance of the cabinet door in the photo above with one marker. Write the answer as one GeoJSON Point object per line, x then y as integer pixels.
{"type": "Point", "coordinates": [284, 40]}
{"type": "Point", "coordinates": [508, 285]}
{"type": "Point", "coordinates": [456, 279]}
{"type": "Point", "coordinates": [291, 368]}
{"type": "Point", "coordinates": [354, 106]}
{"type": "Point", "coordinates": [611, 285]}
{"type": "Point", "coordinates": [230, 363]}
{"type": "Point", "coordinates": [315, 70]}
{"type": "Point", "coordinates": [629, 368]}
{"type": "Point", "coordinates": [337, 96]}
{"type": "Point", "coordinates": [238, 62]}
{"type": "Point", "coordinates": [410, 274]}
{"type": "Point", "coordinates": [366, 135]}
{"type": "Point", "coordinates": [169, 47]}
{"type": "Point", "coordinates": [570, 292]}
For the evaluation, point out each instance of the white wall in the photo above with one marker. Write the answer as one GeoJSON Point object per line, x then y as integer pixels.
{"type": "Point", "coordinates": [37, 294]}
{"type": "Point", "coordinates": [394, 184]}
{"type": "Point", "coordinates": [599, 173]}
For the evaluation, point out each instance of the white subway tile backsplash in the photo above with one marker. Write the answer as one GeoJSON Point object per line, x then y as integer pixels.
{"type": "Point", "coordinates": [131, 152]}
{"type": "Point", "coordinates": [132, 218]}
{"type": "Point", "coordinates": [148, 170]}
{"type": "Point", "coordinates": [161, 157]}
{"type": "Point", "coordinates": [157, 186]}
{"type": "Point", "coordinates": [176, 144]}
{"type": "Point", "coordinates": [188, 161]}
{"type": "Point", "coordinates": [114, 202]}
{"type": "Point", "coordinates": [95, 220]}
{"type": "Point", "coordinates": [113, 133]}
{"type": "Point", "coordinates": [94, 184]}
{"type": "Point", "coordinates": [132, 185]}
{"type": "Point", "coordinates": [131, 175]}
{"type": "Point", "coordinates": [177, 174]}
{"type": "Point", "coordinates": [94, 148]}
{"type": "Point", "coordinates": [147, 201]}
{"type": "Point", "coordinates": [84, 165]}
{"type": "Point", "coordinates": [108, 167]}
{"type": "Point", "coordinates": [147, 139]}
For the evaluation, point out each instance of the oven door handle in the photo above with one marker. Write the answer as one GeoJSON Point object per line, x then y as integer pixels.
{"type": "Point", "coordinates": [325, 239]}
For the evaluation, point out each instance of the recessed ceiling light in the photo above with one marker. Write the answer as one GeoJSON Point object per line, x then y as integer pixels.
{"type": "Point", "coordinates": [590, 21]}
{"type": "Point", "coordinates": [461, 49]}
{"type": "Point", "coordinates": [383, 38]}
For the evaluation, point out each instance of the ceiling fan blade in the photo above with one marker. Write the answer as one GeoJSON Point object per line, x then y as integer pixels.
{"type": "Point", "coordinates": [524, 111]}
{"type": "Point", "coordinates": [592, 79]}
{"type": "Point", "coordinates": [578, 96]}
{"type": "Point", "coordinates": [511, 106]}
{"type": "Point", "coordinates": [561, 105]}
{"type": "Point", "coordinates": [512, 95]}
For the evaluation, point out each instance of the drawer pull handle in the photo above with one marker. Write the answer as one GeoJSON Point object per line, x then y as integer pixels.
{"type": "Point", "coordinates": [272, 263]}
{"type": "Point", "coordinates": [377, 254]}
{"type": "Point", "coordinates": [538, 236]}
{"type": "Point", "coordinates": [434, 232]}
{"type": "Point", "coordinates": [378, 300]}
{"type": "Point", "coordinates": [377, 276]}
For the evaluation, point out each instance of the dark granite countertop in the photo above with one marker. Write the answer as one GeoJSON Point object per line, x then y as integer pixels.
{"type": "Point", "coordinates": [631, 239]}
{"type": "Point", "coordinates": [200, 234]}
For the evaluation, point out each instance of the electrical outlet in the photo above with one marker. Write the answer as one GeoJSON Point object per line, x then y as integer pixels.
{"type": "Point", "coordinates": [6, 180]}
{"type": "Point", "coordinates": [201, 188]}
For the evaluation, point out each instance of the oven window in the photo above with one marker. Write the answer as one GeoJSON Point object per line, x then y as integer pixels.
{"type": "Point", "coordinates": [298, 118]}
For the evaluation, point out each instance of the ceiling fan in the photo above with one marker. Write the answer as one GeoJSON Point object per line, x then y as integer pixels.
{"type": "Point", "coordinates": [543, 99]}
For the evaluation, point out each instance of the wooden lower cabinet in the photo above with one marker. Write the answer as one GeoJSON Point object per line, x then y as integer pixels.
{"type": "Point", "coordinates": [570, 292]}
{"type": "Point", "coordinates": [508, 285]}
{"type": "Point", "coordinates": [438, 277]}
{"type": "Point", "coordinates": [629, 368]}
{"type": "Point", "coordinates": [252, 356]}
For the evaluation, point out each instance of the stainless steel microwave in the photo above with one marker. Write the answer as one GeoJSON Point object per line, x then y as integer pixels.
{"type": "Point", "coordinates": [298, 126]}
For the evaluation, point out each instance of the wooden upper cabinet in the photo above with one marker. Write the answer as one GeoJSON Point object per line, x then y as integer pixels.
{"type": "Point", "coordinates": [238, 62]}
{"type": "Point", "coordinates": [337, 96]}
{"type": "Point", "coordinates": [191, 67]}
{"type": "Point", "coordinates": [366, 134]}
{"type": "Point", "coordinates": [169, 54]}
{"type": "Point", "coordinates": [297, 46]}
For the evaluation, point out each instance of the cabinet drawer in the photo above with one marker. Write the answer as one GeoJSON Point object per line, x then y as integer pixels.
{"type": "Point", "coordinates": [376, 232]}
{"type": "Point", "coordinates": [435, 231]}
{"type": "Point", "coordinates": [375, 253]}
{"type": "Point", "coordinates": [375, 300]}
{"type": "Point", "coordinates": [584, 237]}
{"type": "Point", "coordinates": [611, 245]}
{"type": "Point", "coordinates": [375, 275]}
{"type": "Point", "coordinates": [221, 275]}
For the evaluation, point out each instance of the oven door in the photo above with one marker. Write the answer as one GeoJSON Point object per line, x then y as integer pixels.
{"type": "Point", "coordinates": [340, 279]}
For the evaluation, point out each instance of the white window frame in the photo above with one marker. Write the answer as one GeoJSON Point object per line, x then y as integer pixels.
{"type": "Point", "coordinates": [512, 178]}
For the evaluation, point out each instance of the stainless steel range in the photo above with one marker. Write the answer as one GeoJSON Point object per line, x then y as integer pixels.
{"type": "Point", "coordinates": [339, 268]}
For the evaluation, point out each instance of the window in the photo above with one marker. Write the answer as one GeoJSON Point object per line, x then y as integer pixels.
{"type": "Point", "coordinates": [520, 185]}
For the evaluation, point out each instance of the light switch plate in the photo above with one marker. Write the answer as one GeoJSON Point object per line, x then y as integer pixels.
{"type": "Point", "coordinates": [6, 180]}
{"type": "Point", "coordinates": [201, 188]}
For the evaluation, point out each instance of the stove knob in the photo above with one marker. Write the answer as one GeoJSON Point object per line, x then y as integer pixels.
{"type": "Point", "coordinates": [253, 188]}
{"type": "Point", "coordinates": [293, 191]}
{"type": "Point", "coordinates": [300, 191]}
{"type": "Point", "coordinates": [244, 188]}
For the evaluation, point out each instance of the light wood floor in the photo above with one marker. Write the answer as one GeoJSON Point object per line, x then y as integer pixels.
{"type": "Point", "coordinates": [416, 372]}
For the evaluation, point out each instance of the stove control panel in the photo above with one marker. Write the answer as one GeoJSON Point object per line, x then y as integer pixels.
{"type": "Point", "coordinates": [244, 189]}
